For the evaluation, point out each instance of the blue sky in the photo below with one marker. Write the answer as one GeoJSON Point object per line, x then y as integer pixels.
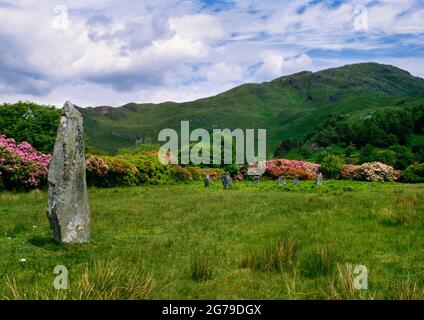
{"type": "Point", "coordinates": [107, 52]}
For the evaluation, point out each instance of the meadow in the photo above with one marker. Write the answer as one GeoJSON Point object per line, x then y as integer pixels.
{"type": "Point", "coordinates": [250, 242]}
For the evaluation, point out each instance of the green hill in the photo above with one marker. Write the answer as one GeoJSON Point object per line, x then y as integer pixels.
{"type": "Point", "coordinates": [288, 107]}
{"type": "Point", "coordinates": [304, 114]}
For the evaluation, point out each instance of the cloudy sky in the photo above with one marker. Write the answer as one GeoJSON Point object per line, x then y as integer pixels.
{"type": "Point", "coordinates": [110, 52]}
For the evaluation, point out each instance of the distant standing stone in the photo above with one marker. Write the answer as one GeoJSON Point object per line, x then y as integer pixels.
{"type": "Point", "coordinates": [207, 181]}
{"type": "Point", "coordinates": [282, 181]}
{"type": "Point", "coordinates": [256, 180]}
{"type": "Point", "coordinates": [68, 207]}
{"type": "Point", "coordinates": [226, 180]}
{"type": "Point", "coordinates": [229, 181]}
{"type": "Point", "coordinates": [320, 179]}
{"type": "Point", "coordinates": [296, 179]}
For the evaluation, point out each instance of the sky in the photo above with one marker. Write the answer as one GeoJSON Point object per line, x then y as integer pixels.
{"type": "Point", "coordinates": [112, 52]}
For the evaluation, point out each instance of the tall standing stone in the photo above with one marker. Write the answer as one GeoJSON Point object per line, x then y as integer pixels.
{"type": "Point", "coordinates": [68, 208]}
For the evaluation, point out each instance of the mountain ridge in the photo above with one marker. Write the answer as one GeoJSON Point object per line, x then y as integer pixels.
{"type": "Point", "coordinates": [288, 106]}
{"type": "Point", "coordinates": [305, 72]}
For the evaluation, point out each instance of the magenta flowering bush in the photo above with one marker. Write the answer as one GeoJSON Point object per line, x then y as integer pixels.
{"type": "Point", "coordinates": [24, 168]}
{"type": "Point", "coordinates": [21, 166]}
{"type": "Point", "coordinates": [290, 168]}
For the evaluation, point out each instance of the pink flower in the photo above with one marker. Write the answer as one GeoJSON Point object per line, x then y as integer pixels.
{"type": "Point", "coordinates": [22, 166]}
{"type": "Point", "coordinates": [375, 171]}
{"type": "Point", "coordinates": [290, 168]}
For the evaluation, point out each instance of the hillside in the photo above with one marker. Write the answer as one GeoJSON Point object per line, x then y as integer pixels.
{"type": "Point", "coordinates": [305, 113]}
{"type": "Point", "coordinates": [288, 107]}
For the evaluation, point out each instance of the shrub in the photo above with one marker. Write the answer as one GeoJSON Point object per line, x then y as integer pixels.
{"type": "Point", "coordinates": [348, 170]}
{"type": "Point", "coordinates": [289, 168]}
{"type": "Point", "coordinates": [403, 158]}
{"type": "Point", "coordinates": [197, 173]}
{"type": "Point", "coordinates": [27, 121]}
{"type": "Point", "coordinates": [233, 169]}
{"type": "Point", "coordinates": [414, 173]}
{"type": "Point", "coordinates": [182, 174]}
{"type": "Point", "coordinates": [331, 166]}
{"type": "Point", "coordinates": [375, 171]}
{"type": "Point", "coordinates": [214, 173]}
{"type": "Point", "coordinates": [21, 166]}
{"type": "Point", "coordinates": [385, 156]}
{"type": "Point", "coordinates": [95, 168]}
{"type": "Point", "coordinates": [138, 169]}
{"type": "Point", "coordinates": [418, 150]}
{"type": "Point", "coordinates": [128, 170]}
{"type": "Point", "coordinates": [366, 154]}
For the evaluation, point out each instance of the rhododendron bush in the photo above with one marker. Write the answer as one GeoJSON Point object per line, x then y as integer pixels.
{"type": "Point", "coordinates": [139, 169]}
{"type": "Point", "coordinates": [21, 166]}
{"type": "Point", "coordinates": [347, 171]}
{"type": "Point", "coordinates": [290, 168]}
{"type": "Point", "coordinates": [374, 171]}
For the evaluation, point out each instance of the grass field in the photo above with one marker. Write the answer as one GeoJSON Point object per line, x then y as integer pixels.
{"type": "Point", "coordinates": [264, 242]}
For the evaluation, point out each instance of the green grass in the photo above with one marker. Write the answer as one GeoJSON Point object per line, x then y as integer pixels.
{"type": "Point", "coordinates": [184, 241]}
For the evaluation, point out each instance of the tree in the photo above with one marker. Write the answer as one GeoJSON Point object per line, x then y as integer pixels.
{"type": "Point", "coordinates": [331, 166]}
{"type": "Point", "coordinates": [366, 154]}
{"type": "Point", "coordinates": [385, 156]}
{"type": "Point", "coordinates": [418, 151]}
{"type": "Point", "coordinates": [26, 121]}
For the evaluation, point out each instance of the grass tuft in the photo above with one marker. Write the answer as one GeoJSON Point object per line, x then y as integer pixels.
{"type": "Point", "coordinates": [320, 261]}
{"type": "Point", "coordinates": [103, 280]}
{"type": "Point", "coordinates": [342, 287]}
{"type": "Point", "coordinates": [408, 290]}
{"type": "Point", "coordinates": [201, 267]}
{"type": "Point", "coordinates": [393, 217]}
{"type": "Point", "coordinates": [277, 256]}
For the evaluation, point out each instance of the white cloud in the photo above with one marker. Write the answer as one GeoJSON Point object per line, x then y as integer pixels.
{"type": "Point", "coordinates": [222, 72]}
{"type": "Point", "coordinates": [274, 65]}
{"type": "Point", "coordinates": [118, 51]}
{"type": "Point", "coordinates": [199, 27]}
{"type": "Point", "coordinates": [271, 66]}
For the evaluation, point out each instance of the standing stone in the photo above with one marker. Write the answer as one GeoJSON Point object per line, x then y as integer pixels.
{"type": "Point", "coordinates": [320, 179]}
{"type": "Point", "coordinates": [207, 181]}
{"type": "Point", "coordinates": [224, 180]}
{"type": "Point", "coordinates": [68, 208]}
{"type": "Point", "coordinates": [256, 180]}
{"type": "Point", "coordinates": [229, 181]}
{"type": "Point", "coordinates": [282, 181]}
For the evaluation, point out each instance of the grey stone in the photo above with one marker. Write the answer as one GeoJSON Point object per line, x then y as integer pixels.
{"type": "Point", "coordinates": [68, 207]}
{"type": "Point", "coordinates": [207, 181]}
